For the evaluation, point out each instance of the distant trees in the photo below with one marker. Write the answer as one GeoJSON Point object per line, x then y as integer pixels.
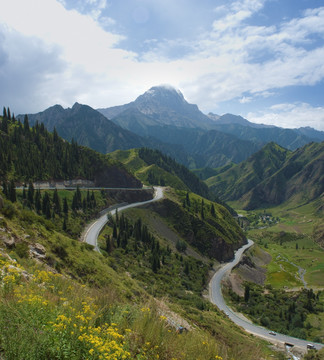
{"type": "Point", "coordinates": [285, 312]}
{"type": "Point", "coordinates": [142, 240]}
{"type": "Point", "coordinates": [33, 153]}
{"type": "Point", "coordinates": [168, 164]}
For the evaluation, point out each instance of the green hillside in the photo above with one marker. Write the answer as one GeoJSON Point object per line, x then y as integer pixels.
{"type": "Point", "coordinates": [32, 153]}
{"type": "Point", "coordinates": [59, 299]}
{"type": "Point", "coordinates": [273, 176]}
{"type": "Point", "coordinates": [203, 224]}
{"type": "Point", "coordinates": [154, 168]}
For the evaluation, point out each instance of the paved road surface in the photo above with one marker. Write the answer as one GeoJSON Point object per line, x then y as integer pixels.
{"type": "Point", "coordinates": [94, 230]}
{"type": "Point", "coordinates": [217, 299]}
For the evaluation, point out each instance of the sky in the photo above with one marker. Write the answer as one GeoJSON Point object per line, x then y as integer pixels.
{"type": "Point", "coordinates": [261, 59]}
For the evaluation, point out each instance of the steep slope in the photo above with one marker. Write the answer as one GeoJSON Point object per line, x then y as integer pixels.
{"type": "Point", "coordinates": [273, 176]}
{"type": "Point", "coordinates": [166, 106]}
{"type": "Point", "coordinates": [60, 299]}
{"type": "Point", "coordinates": [30, 154]}
{"type": "Point", "coordinates": [163, 113]}
{"type": "Point", "coordinates": [233, 183]}
{"type": "Point", "coordinates": [206, 226]}
{"type": "Point", "coordinates": [88, 127]}
{"type": "Point", "coordinates": [154, 168]}
{"type": "Point", "coordinates": [298, 181]}
{"type": "Point", "coordinates": [203, 148]}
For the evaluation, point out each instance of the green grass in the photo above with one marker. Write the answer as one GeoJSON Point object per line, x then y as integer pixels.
{"type": "Point", "coordinates": [64, 320]}
{"type": "Point", "coordinates": [292, 238]}
{"type": "Point", "coordinates": [54, 316]}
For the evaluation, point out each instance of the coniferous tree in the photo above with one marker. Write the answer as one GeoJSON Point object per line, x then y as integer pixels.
{"type": "Point", "coordinates": [137, 231]}
{"type": "Point", "coordinates": [55, 135]}
{"type": "Point", "coordinates": [118, 240]}
{"type": "Point", "coordinates": [117, 217]}
{"type": "Point", "coordinates": [247, 292]}
{"type": "Point", "coordinates": [5, 189]}
{"type": "Point", "coordinates": [38, 204]}
{"type": "Point", "coordinates": [115, 231]}
{"type": "Point", "coordinates": [12, 191]}
{"type": "Point", "coordinates": [26, 124]}
{"type": "Point", "coordinates": [4, 125]}
{"type": "Point", "coordinates": [124, 241]}
{"type": "Point", "coordinates": [64, 226]}
{"type": "Point", "coordinates": [109, 245]}
{"type": "Point", "coordinates": [74, 205]}
{"type": "Point", "coordinates": [212, 210]}
{"type": "Point", "coordinates": [30, 194]}
{"type": "Point", "coordinates": [88, 199]}
{"type": "Point", "coordinates": [186, 268]}
{"type": "Point", "coordinates": [155, 264]}
{"type": "Point", "coordinates": [56, 202]}
{"type": "Point", "coordinates": [4, 112]}
{"type": "Point", "coordinates": [78, 197]}
{"type": "Point", "coordinates": [46, 206]}
{"type": "Point", "coordinates": [188, 199]}
{"type": "Point", "coordinates": [65, 207]}
{"type": "Point", "coordinates": [93, 199]}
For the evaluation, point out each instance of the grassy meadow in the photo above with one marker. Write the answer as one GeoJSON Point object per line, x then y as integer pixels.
{"type": "Point", "coordinates": [287, 233]}
{"type": "Point", "coordinates": [291, 234]}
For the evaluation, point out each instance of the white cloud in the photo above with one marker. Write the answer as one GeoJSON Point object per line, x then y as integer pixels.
{"type": "Point", "coordinates": [245, 99]}
{"type": "Point", "coordinates": [81, 39]}
{"type": "Point", "coordinates": [236, 13]}
{"type": "Point", "coordinates": [290, 116]}
{"type": "Point", "coordinates": [75, 59]}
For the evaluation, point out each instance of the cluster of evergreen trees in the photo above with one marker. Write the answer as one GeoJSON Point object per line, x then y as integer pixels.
{"type": "Point", "coordinates": [199, 209]}
{"type": "Point", "coordinates": [32, 153]}
{"type": "Point", "coordinates": [138, 237]}
{"type": "Point", "coordinates": [278, 310]}
{"type": "Point", "coordinates": [153, 179]}
{"type": "Point", "coordinates": [50, 204]}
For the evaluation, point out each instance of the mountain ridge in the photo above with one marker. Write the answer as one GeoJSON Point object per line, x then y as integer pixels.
{"type": "Point", "coordinates": [272, 176]}
{"type": "Point", "coordinates": [162, 119]}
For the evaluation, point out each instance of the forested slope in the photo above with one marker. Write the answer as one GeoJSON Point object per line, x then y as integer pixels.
{"type": "Point", "coordinates": [33, 153]}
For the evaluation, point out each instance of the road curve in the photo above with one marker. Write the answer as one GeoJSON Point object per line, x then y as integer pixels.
{"type": "Point", "coordinates": [216, 298]}
{"type": "Point", "coordinates": [91, 235]}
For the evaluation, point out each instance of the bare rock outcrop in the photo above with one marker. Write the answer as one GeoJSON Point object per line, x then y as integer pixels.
{"type": "Point", "coordinates": [37, 251]}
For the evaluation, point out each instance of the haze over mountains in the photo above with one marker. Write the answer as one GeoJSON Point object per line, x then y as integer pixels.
{"type": "Point", "coordinates": [161, 118]}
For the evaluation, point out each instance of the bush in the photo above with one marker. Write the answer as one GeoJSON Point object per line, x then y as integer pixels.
{"type": "Point", "coordinates": [181, 246]}
{"type": "Point", "coordinates": [8, 210]}
{"type": "Point", "coordinates": [60, 251]}
{"type": "Point", "coordinates": [22, 250]}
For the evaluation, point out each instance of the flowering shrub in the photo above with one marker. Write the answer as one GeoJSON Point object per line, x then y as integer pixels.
{"type": "Point", "coordinates": [47, 316]}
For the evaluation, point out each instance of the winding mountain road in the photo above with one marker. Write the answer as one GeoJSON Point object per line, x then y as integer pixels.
{"type": "Point", "coordinates": [92, 233]}
{"type": "Point", "coordinates": [216, 298]}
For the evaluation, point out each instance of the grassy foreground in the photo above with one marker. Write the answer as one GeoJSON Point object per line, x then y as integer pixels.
{"type": "Point", "coordinates": [73, 304]}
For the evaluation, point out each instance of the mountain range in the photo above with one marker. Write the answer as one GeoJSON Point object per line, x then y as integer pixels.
{"type": "Point", "coordinates": [162, 119]}
{"type": "Point", "coordinates": [272, 176]}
